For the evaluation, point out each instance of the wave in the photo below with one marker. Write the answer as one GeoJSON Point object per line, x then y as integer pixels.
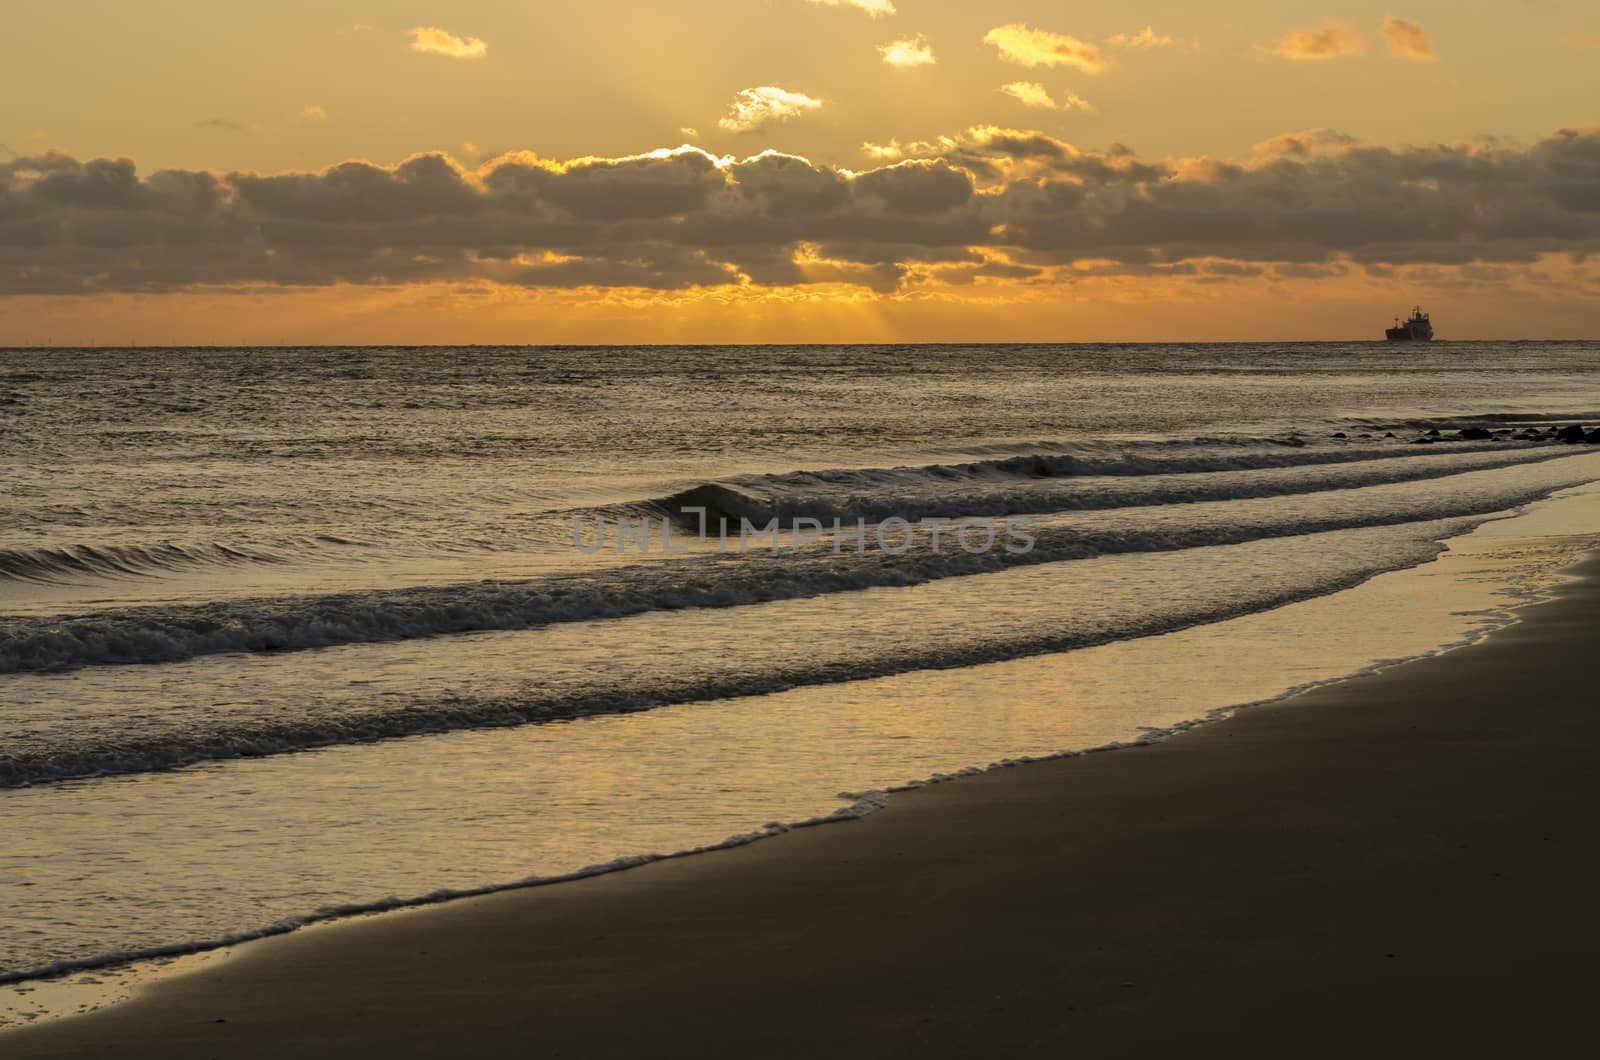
{"type": "Point", "coordinates": [173, 633]}
{"type": "Point", "coordinates": [1079, 477]}
{"type": "Point", "coordinates": [1479, 419]}
{"type": "Point", "coordinates": [856, 805]}
{"type": "Point", "coordinates": [115, 752]}
{"type": "Point", "coordinates": [103, 561]}
{"type": "Point", "coordinates": [1062, 482]}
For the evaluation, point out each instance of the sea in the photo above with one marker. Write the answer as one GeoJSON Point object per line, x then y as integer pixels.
{"type": "Point", "coordinates": [288, 635]}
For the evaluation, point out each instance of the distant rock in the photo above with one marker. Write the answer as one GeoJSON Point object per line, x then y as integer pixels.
{"type": "Point", "coordinates": [1475, 434]}
{"type": "Point", "coordinates": [1570, 434]}
{"type": "Point", "coordinates": [1340, 434]}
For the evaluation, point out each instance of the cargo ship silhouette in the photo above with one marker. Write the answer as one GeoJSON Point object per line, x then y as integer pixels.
{"type": "Point", "coordinates": [1418, 329]}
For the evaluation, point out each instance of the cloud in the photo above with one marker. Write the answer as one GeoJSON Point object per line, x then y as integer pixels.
{"type": "Point", "coordinates": [313, 112]}
{"type": "Point", "coordinates": [359, 191]}
{"type": "Point", "coordinates": [789, 186]}
{"type": "Point", "coordinates": [918, 186]}
{"type": "Point", "coordinates": [690, 131]}
{"type": "Point", "coordinates": [1407, 40]}
{"type": "Point", "coordinates": [913, 51]}
{"type": "Point", "coordinates": [894, 149]}
{"type": "Point", "coordinates": [875, 8]}
{"type": "Point", "coordinates": [989, 203]}
{"type": "Point", "coordinates": [1029, 94]}
{"type": "Point", "coordinates": [225, 124]}
{"type": "Point", "coordinates": [1329, 41]}
{"type": "Point", "coordinates": [1033, 94]}
{"type": "Point", "coordinates": [432, 40]}
{"type": "Point", "coordinates": [1145, 38]}
{"type": "Point", "coordinates": [1304, 144]}
{"type": "Point", "coordinates": [1030, 47]}
{"type": "Point", "coordinates": [754, 108]}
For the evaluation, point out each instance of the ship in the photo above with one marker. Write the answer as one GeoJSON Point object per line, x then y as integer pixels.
{"type": "Point", "coordinates": [1418, 329]}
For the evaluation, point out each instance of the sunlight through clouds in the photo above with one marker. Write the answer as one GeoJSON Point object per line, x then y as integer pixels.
{"type": "Point", "coordinates": [692, 143]}
{"type": "Point", "coordinates": [681, 218]}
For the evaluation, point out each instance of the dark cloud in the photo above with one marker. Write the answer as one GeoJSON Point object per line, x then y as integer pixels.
{"type": "Point", "coordinates": [786, 186]}
{"type": "Point", "coordinates": [104, 183]}
{"type": "Point", "coordinates": [361, 193]}
{"type": "Point", "coordinates": [664, 268]}
{"type": "Point", "coordinates": [624, 189]}
{"type": "Point", "coordinates": [918, 186]}
{"type": "Point", "coordinates": [1440, 204]}
{"type": "Point", "coordinates": [994, 203]}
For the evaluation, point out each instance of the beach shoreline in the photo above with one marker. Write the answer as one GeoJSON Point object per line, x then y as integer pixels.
{"type": "Point", "coordinates": [1399, 856]}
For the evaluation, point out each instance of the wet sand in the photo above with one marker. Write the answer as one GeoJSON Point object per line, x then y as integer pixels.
{"type": "Point", "coordinates": [1403, 863]}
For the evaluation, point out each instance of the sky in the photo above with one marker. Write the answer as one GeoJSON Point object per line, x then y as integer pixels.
{"type": "Point", "coordinates": [623, 171]}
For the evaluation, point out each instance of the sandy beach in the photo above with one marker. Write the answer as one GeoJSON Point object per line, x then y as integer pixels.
{"type": "Point", "coordinates": [1400, 862]}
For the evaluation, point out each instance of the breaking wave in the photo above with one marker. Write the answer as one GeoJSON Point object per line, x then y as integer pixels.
{"type": "Point", "coordinates": [335, 720]}
{"type": "Point", "coordinates": [171, 633]}
{"type": "Point", "coordinates": [1073, 482]}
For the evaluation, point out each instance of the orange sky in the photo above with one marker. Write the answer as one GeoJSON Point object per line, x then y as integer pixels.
{"type": "Point", "coordinates": [861, 170]}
